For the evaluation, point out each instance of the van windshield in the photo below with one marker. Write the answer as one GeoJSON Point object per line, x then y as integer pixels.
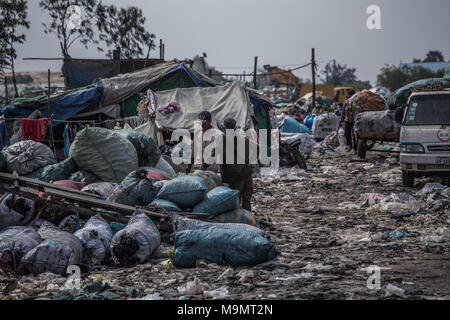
{"type": "Point", "coordinates": [429, 110]}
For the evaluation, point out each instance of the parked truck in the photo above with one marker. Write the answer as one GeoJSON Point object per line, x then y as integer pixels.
{"type": "Point", "coordinates": [425, 136]}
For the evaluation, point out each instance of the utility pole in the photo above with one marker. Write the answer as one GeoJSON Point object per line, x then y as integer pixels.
{"type": "Point", "coordinates": [160, 48]}
{"type": "Point", "coordinates": [313, 72]}
{"type": "Point", "coordinates": [254, 73]}
{"type": "Point", "coordinates": [243, 75]}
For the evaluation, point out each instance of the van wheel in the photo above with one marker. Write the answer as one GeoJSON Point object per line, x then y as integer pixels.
{"type": "Point", "coordinates": [362, 148]}
{"type": "Point", "coordinates": [407, 179]}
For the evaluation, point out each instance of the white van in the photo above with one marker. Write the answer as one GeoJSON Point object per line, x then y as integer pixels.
{"type": "Point", "coordinates": [425, 136]}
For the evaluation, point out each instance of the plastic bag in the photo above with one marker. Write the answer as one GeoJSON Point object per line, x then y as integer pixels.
{"type": "Point", "coordinates": [135, 190]}
{"type": "Point", "coordinates": [218, 200]}
{"type": "Point", "coordinates": [105, 153]}
{"type": "Point", "coordinates": [377, 125]}
{"type": "Point", "coordinates": [15, 242]}
{"type": "Point", "coordinates": [211, 179]}
{"type": "Point", "coordinates": [84, 176]}
{"type": "Point", "coordinates": [71, 223]}
{"type": "Point", "coordinates": [180, 223]}
{"type": "Point", "coordinates": [146, 148]}
{"type": "Point", "coordinates": [224, 247]}
{"type": "Point", "coordinates": [15, 210]}
{"type": "Point", "coordinates": [136, 243]}
{"type": "Point", "coordinates": [165, 204]}
{"type": "Point", "coordinates": [28, 156]}
{"type": "Point", "coordinates": [166, 167]}
{"type": "Point", "coordinates": [185, 191]}
{"type": "Point", "coordinates": [56, 253]}
{"type": "Point", "coordinates": [95, 237]}
{"type": "Point", "coordinates": [54, 172]}
{"type": "Point", "coordinates": [236, 216]}
{"type": "Point", "coordinates": [102, 189]}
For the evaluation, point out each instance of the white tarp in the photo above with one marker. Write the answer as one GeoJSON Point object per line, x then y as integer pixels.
{"type": "Point", "coordinates": [228, 101]}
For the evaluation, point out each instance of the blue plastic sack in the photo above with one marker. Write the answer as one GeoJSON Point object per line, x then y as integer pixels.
{"type": "Point", "coordinates": [185, 191]}
{"type": "Point", "coordinates": [166, 204]}
{"type": "Point", "coordinates": [309, 121]}
{"type": "Point", "coordinates": [224, 247]}
{"type": "Point", "coordinates": [217, 201]}
{"type": "Point", "coordinates": [290, 125]}
{"type": "Point", "coordinates": [135, 190]}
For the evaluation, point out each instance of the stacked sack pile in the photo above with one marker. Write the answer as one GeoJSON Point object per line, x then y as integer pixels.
{"type": "Point", "coordinates": [124, 167]}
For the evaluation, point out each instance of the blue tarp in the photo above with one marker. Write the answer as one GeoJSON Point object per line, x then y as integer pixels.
{"type": "Point", "coordinates": [63, 107]}
{"type": "Point", "coordinates": [84, 73]}
{"type": "Point", "coordinates": [290, 125]}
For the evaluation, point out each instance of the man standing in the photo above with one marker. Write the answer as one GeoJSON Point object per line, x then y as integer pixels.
{"type": "Point", "coordinates": [347, 120]}
{"type": "Point", "coordinates": [237, 176]}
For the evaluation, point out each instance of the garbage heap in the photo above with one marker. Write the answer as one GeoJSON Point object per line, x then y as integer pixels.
{"type": "Point", "coordinates": [125, 168]}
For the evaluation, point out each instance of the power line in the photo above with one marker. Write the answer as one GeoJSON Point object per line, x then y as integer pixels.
{"type": "Point", "coordinates": [262, 74]}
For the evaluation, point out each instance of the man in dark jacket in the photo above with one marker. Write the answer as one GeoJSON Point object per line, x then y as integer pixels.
{"type": "Point", "coordinates": [237, 176]}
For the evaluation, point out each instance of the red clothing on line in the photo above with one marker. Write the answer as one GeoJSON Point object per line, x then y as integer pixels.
{"type": "Point", "coordinates": [34, 129]}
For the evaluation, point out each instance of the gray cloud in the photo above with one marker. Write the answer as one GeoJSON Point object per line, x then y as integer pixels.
{"type": "Point", "coordinates": [280, 32]}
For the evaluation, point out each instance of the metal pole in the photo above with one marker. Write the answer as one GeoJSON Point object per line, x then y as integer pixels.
{"type": "Point", "coordinates": [313, 71]}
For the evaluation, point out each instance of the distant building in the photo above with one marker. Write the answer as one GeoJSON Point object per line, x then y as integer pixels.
{"type": "Point", "coordinates": [433, 66]}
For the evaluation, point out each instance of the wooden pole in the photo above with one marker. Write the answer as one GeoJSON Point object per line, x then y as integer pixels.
{"type": "Point", "coordinates": [254, 73]}
{"type": "Point", "coordinates": [160, 49]}
{"type": "Point", "coordinates": [313, 72]}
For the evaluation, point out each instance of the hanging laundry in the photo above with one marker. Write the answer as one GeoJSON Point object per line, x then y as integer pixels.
{"type": "Point", "coordinates": [34, 129]}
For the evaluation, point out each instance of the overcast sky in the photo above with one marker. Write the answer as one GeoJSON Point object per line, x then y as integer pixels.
{"type": "Point", "coordinates": [279, 32]}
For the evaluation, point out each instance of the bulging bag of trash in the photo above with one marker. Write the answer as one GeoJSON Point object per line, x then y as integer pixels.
{"type": "Point", "coordinates": [224, 247]}
{"type": "Point", "coordinates": [105, 153]}
{"type": "Point", "coordinates": [71, 223]}
{"type": "Point", "coordinates": [324, 124]}
{"type": "Point", "coordinates": [377, 125]}
{"type": "Point", "coordinates": [211, 178]}
{"type": "Point", "coordinates": [102, 189]}
{"type": "Point", "coordinates": [135, 190]}
{"type": "Point", "coordinates": [55, 254]}
{"type": "Point", "coordinates": [165, 204]}
{"type": "Point", "coordinates": [146, 148]}
{"type": "Point", "coordinates": [137, 242]}
{"type": "Point", "coordinates": [166, 167]}
{"type": "Point", "coordinates": [54, 172]}
{"type": "Point", "coordinates": [15, 242]}
{"type": "Point", "coordinates": [95, 237]}
{"type": "Point", "coordinates": [218, 200]}
{"type": "Point", "coordinates": [28, 156]}
{"type": "Point", "coordinates": [185, 191]}
{"type": "Point", "coordinates": [180, 223]}
{"type": "Point", "coordinates": [236, 216]}
{"type": "Point", "coordinates": [15, 210]}
{"type": "Point", "coordinates": [84, 176]}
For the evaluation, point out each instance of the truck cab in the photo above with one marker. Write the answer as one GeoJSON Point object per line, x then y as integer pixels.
{"type": "Point", "coordinates": [425, 136]}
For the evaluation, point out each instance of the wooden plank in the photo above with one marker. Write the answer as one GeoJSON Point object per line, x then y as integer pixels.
{"type": "Point", "coordinates": [8, 177]}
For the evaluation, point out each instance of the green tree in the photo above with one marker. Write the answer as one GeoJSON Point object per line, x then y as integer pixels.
{"type": "Point", "coordinates": [338, 74]}
{"type": "Point", "coordinates": [394, 78]}
{"type": "Point", "coordinates": [434, 56]}
{"type": "Point", "coordinates": [124, 29]}
{"type": "Point", "coordinates": [71, 21]}
{"type": "Point", "coordinates": [13, 19]}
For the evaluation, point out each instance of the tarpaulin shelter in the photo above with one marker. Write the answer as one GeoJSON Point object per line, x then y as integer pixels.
{"type": "Point", "coordinates": [63, 106]}
{"type": "Point", "coordinates": [228, 101]}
